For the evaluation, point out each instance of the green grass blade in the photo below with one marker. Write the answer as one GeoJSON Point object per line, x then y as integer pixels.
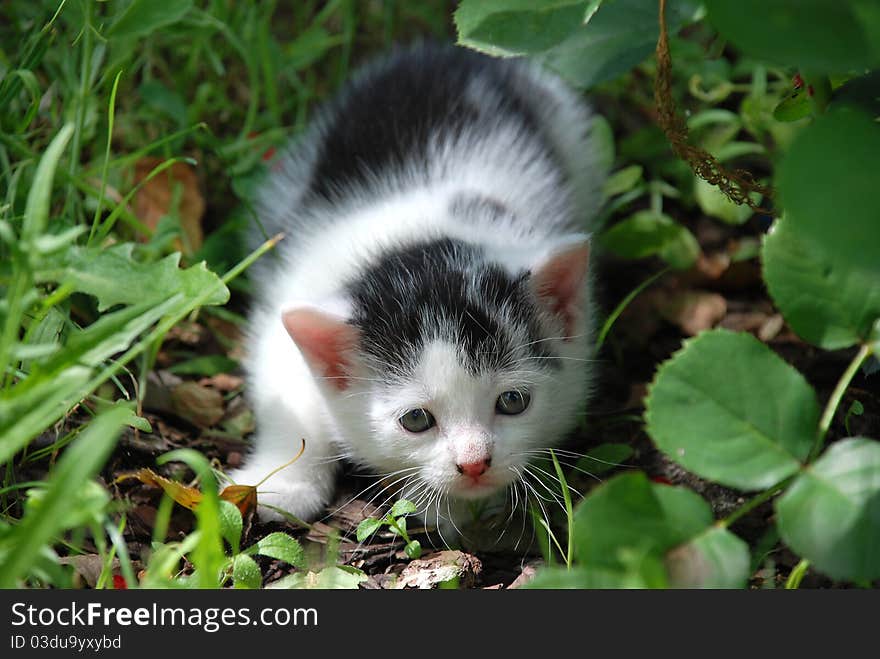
{"type": "Point", "coordinates": [78, 464]}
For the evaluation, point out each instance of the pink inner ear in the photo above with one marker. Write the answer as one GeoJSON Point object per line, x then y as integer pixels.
{"type": "Point", "coordinates": [559, 282]}
{"type": "Point", "coordinates": [327, 341]}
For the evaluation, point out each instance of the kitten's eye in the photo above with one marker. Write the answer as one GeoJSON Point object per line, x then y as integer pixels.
{"type": "Point", "coordinates": [417, 420]}
{"type": "Point", "coordinates": [512, 402]}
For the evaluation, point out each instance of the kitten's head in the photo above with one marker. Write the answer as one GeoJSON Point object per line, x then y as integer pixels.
{"type": "Point", "coordinates": [457, 366]}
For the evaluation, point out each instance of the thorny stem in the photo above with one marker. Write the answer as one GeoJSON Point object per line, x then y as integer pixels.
{"type": "Point", "coordinates": [824, 424]}
{"type": "Point", "coordinates": [753, 503]}
{"type": "Point", "coordinates": [836, 396]}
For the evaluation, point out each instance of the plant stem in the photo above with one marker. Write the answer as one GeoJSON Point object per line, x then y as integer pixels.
{"type": "Point", "coordinates": [753, 503]}
{"type": "Point", "coordinates": [797, 575]}
{"type": "Point", "coordinates": [836, 396]}
{"type": "Point", "coordinates": [569, 513]}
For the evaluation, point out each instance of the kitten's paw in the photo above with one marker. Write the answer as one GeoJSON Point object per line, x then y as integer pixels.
{"type": "Point", "coordinates": [301, 500]}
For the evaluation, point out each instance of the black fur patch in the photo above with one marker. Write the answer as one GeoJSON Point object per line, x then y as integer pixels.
{"type": "Point", "coordinates": [386, 116]}
{"type": "Point", "coordinates": [422, 292]}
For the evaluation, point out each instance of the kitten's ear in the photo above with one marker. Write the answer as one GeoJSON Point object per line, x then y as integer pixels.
{"type": "Point", "coordinates": [327, 341]}
{"type": "Point", "coordinates": [559, 280]}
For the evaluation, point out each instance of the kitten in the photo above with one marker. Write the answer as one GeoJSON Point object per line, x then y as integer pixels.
{"type": "Point", "coordinates": [429, 315]}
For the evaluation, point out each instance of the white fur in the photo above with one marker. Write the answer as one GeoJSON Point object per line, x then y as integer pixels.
{"type": "Point", "coordinates": [332, 244]}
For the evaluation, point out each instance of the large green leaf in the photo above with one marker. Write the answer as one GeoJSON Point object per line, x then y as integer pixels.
{"type": "Point", "coordinates": [825, 36]}
{"type": "Point", "coordinates": [281, 546]}
{"type": "Point", "coordinates": [826, 300]}
{"type": "Point", "coordinates": [114, 276]}
{"type": "Point", "coordinates": [646, 233]}
{"type": "Point", "coordinates": [517, 27]}
{"type": "Point", "coordinates": [831, 514]}
{"type": "Point", "coordinates": [631, 533]}
{"type": "Point", "coordinates": [828, 183]}
{"type": "Point", "coordinates": [617, 37]}
{"type": "Point", "coordinates": [730, 410]}
{"type": "Point", "coordinates": [714, 559]}
{"type": "Point", "coordinates": [585, 41]}
{"type": "Point", "coordinates": [246, 573]}
{"type": "Point", "coordinates": [628, 513]}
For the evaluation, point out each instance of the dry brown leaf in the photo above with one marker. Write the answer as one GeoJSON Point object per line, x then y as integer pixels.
{"type": "Point", "coordinates": [223, 382]}
{"type": "Point", "coordinates": [243, 497]}
{"type": "Point", "coordinates": [693, 311]}
{"type": "Point", "coordinates": [771, 327]}
{"type": "Point", "coordinates": [713, 265]}
{"type": "Point", "coordinates": [186, 496]}
{"type": "Point", "coordinates": [199, 405]}
{"type": "Point", "coordinates": [154, 199]}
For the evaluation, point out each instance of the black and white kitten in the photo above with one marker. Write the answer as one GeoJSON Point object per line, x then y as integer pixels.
{"type": "Point", "coordinates": [429, 315]}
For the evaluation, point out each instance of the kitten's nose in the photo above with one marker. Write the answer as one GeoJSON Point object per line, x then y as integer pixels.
{"type": "Point", "coordinates": [474, 469]}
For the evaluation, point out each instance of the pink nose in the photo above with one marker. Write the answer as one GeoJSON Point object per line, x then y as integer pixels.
{"type": "Point", "coordinates": [474, 469]}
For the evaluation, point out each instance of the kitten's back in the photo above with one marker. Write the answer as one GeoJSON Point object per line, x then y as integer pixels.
{"type": "Point", "coordinates": [449, 120]}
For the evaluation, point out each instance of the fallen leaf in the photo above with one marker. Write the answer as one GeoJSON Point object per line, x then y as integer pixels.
{"type": "Point", "coordinates": [197, 404]}
{"type": "Point", "coordinates": [243, 497]}
{"type": "Point", "coordinates": [186, 496]}
{"type": "Point", "coordinates": [693, 311]}
{"type": "Point", "coordinates": [771, 327]}
{"type": "Point", "coordinates": [154, 199]}
{"type": "Point", "coordinates": [440, 567]}
{"type": "Point", "coordinates": [223, 382]}
{"type": "Point", "coordinates": [713, 265]}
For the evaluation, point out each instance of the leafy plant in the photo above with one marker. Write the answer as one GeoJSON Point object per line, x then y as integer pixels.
{"type": "Point", "coordinates": [394, 521]}
{"type": "Point", "coordinates": [726, 407]}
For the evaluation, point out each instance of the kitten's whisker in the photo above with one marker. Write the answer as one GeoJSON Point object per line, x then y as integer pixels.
{"type": "Point", "coordinates": [554, 477]}
{"type": "Point", "coordinates": [366, 489]}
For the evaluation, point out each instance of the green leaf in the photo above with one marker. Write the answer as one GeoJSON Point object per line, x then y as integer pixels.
{"type": "Point", "coordinates": [413, 549]}
{"type": "Point", "coordinates": [631, 533]}
{"type": "Point", "coordinates": [334, 577]}
{"type": "Point", "coordinates": [517, 27]}
{"type": "Point", "coordinates": [861, 93]}
{"type": "Point", "coordinates": [617, 37]}
{"type": "Point", "coordinates": [36, 212]}
{"type": "Point", "coordinates": [367, 528]}
{"type": "Point", "coordinates": [246, 573]}
{"type": "Point", "coordinates": [206, 365]}
{"type": "Point", "coordinates": [115, 277]}
{"type": "Point", "coordinates": [825, 299]}
{"type": "Point", "coordinates": [230, 524]}
{"type": "Point", "coordinates": [730, 410]}
{"type": "Point", "coordinates": [831, 514]}
{"type": "Point", "coordinates": [793, 107]}
{"type": "Point", "coordinates": [145, 16]}
{"type": "Point", "coordinates": [89, 503]}
{"type": "Point", "coordinates": [208, 556]}
{"type": "Point", "coordinates": [827, 182]}
{"type": "Point", "coordinates": [646, 233]}
{"type": "Point", "coordinates": [817, 35]}
{"type": "Point", "coordinates": [714, 559]}
{"type": "Point", "coordinates": [623, 180]}
{"type": "Point", "coordinates": [640, 571]}
{"type": "Point", "coordinates": [629, 513]}
{"type": "Point", "coordinates": [715, 203]}
{"type": "Point", "coordinates": [402, 507]}
{"type": "Point", "coordinates": [280, 546]}
{"type": "Point", "coordinates": [605, 457]}
{"type": "Point", "coordinates": [79, 463]}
